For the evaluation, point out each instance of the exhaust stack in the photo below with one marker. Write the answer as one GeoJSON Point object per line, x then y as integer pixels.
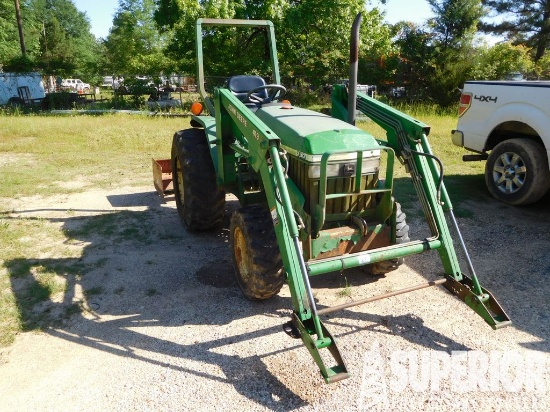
{"type": "Point", "coordinates": [353, 64]}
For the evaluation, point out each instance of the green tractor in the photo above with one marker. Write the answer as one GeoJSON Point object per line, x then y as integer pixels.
{"type": "Point", "coordinates": [316, 192]}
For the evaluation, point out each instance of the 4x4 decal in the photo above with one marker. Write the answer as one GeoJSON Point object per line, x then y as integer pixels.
{"type": "Point", "coordinates": [486, 98]}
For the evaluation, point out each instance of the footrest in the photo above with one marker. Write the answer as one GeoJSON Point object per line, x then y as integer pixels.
{"type": "Point", "coordinates": [331, 374]}
{"type": "Point", "coordinates": [485, 305]}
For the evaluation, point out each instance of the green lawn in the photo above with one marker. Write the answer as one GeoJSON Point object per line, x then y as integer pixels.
{"type": "Point", "coordinates": [38, 151]}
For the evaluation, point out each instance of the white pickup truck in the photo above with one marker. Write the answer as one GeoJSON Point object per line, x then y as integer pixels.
{"type": "Point", "coordinates": [507, 123]}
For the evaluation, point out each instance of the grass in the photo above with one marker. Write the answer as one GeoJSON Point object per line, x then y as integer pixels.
{"type": "Point", "coordinates": [42, 156]}
{"type": "Point", "coordinates": [346, 291]}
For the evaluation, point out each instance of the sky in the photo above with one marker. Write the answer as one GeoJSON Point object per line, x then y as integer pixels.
{"type": "Point", "coordinates": [101, 12]}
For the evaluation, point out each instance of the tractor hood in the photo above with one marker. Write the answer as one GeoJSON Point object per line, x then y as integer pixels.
{"type": "Point", "coordinates": [314, 133]}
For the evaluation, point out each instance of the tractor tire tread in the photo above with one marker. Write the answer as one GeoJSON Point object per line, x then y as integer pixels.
{"type": "Point", "coordinates": [201, 206]}
{"type": "Point", "coordinates": [266, 274]}
{"type": "Point", "coordinates": [401, 236]}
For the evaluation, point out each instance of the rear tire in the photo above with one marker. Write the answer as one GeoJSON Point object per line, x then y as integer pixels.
{"type": "Point", "coordinates": [256, 258]}
{"type": "Point", "coordinates": [199, 200]}
{"type": "Point", "coordinates": [517, 172]}
{"type": "Point", "coordinates": [401, 236]}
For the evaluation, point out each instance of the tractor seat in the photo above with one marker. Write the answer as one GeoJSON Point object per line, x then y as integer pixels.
{"type": "Point", "coordinates": [242, 84]}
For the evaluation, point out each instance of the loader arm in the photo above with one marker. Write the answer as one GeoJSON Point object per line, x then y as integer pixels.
{"type": "Point", "coordinates": [408, 138]}
{"type": "Point", "coordinates": [244, 133]}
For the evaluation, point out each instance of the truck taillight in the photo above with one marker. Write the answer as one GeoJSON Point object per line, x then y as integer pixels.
{"type": "Point", "coordinates": [465, 102]}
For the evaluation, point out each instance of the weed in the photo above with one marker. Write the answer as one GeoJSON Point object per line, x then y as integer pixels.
{"type": "Point", "coordinates": [346, 291]}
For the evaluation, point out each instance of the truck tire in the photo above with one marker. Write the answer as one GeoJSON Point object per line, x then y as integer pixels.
{"type": "Point", "coordinates": [199, 200]}
{"type": "Point", "coordinates": [401, 236]}
{"type": "Point", "coordinates": [256, 258]}
{"type": "Point", "coordinates": [517, 172]}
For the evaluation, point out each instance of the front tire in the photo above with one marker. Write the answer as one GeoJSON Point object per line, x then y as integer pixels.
{"type": "Point", "coordinates": [256, 258]}
{"type": "Point", "coordinates": [199, 200]}
{"type": "Point", "coordinates": [517, 172]}
{"type": "Point", "coordinates": [401, 236]}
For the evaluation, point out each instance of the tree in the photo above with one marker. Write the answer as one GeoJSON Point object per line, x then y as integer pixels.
{"type": "Point", "coordinates": [528, 23]}
{"type": "Point", "coordinates": [314, 39]}
{"type": "Point", "coordinates": [57, 37]}
{"type": "Point", "coordinates": [455, 23]}
{"type": "Point", "coordinates": [63, 42]}
{"type": "Point", "coordinates": [134, 46]}
{"type": "Point", "coordinates": [58, 54]}
{"type": "Point", "coordinates": [312, 36]}
{"type": "Point", "coordinates": [542, 68]}
{"type": "Point", "coordinates": [453, 29]}
{"type": "Point", "coordinates": [10, 50]}
{"type": "Point", "coordinates": [9, 38]}
{"type": "Point", "coordinates": [498, 61]}
{"type": "Point", "coordinates": [413, 64]}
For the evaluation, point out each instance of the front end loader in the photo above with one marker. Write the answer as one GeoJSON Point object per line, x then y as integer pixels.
{"type": "Point", "coordinates": [316, 193]}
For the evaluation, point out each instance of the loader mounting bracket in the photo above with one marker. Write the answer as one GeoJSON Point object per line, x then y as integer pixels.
{"type": "Point", "coordinates": [484, 305]}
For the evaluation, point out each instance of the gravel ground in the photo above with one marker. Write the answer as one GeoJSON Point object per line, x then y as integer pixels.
{"type": "Point", "coordinates": [169, 329]}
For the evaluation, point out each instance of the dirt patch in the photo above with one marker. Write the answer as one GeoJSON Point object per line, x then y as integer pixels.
{"type": "Point", "coordinates": [15, 158]}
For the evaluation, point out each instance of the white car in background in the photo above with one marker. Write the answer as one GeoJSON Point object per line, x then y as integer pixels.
{"type": "Point", "coordinates": [76, 85]}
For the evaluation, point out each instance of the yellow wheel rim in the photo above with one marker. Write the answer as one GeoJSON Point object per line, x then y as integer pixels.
{"type": "Point", "coordinates": [242, 259]}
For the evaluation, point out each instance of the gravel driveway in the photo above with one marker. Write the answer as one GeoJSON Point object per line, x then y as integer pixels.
{"type": "Point", "coordinates": [168, 329]}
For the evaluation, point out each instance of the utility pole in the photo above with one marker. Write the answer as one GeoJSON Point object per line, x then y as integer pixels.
{"type": "Point", "coordinates": [20, 27]}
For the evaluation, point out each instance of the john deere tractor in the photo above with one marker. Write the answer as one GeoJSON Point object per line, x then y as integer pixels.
{"type": "Point", "coordinates": [316, 192]}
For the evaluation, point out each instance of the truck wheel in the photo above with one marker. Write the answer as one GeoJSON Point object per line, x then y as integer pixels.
{"type": "Point", "coordinates": [199, 200]}
{"type": "Point", "coordinates": [517, 172]}
{"type": "Point", "coordinates": [256, 257]}
{"type": "Point", "coordinates": [401, 236]}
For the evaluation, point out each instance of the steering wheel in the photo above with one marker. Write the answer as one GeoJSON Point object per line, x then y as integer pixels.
{"type": "Point", "coordinates": [274, 91]}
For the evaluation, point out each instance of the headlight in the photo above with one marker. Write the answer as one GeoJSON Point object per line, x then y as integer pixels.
{"type": "Point", "coordinates": [371, 165]}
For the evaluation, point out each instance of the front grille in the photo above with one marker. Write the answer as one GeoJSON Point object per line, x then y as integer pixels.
{"type": "Point", "coordinates": [298, 172]}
